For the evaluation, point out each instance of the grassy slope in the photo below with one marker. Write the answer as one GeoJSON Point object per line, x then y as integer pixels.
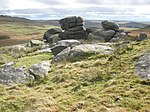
{"type": "Point", "coordinates": [98, 83]}
{"type": "Point", "coordinates": [20, 32]}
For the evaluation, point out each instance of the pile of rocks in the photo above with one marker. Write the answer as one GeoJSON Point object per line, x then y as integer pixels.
{"type": "Point", "coordinates": [52, 35]}
{"type": "Point", "coordinates": [9, 75]}
{"type": "Point", "coordinates": [110, 31]}
{"type": "Point", "coordinates": [73, 28]}
{"type": "Point", "coordinates": [73, 49]}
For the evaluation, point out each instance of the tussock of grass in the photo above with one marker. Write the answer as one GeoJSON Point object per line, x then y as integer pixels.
{"type": "Point", "coordinates": [94, 84]}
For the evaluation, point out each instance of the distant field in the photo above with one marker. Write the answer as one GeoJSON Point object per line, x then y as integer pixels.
{"type": "Point", "coordinates": [19, 32]}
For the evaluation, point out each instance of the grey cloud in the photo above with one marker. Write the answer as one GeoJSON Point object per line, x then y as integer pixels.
{"type": "Point", "coordinates": [87, 13]}
{"type": "Point", "coordinates": [115, 2]}
{"type": "Point", "coordinates": [50, 2]}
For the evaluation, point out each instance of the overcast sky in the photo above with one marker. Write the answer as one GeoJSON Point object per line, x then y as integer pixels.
{"type": "Point", "coordinates": [133, 10]}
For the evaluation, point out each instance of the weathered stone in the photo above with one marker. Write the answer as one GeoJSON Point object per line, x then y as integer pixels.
{"type": "Point", "coordinates": [57, 49]}
{"type": "Point", "coordinates": [35, 43]}
{"type": "Point", "coordinates": [45, 46]}
{"type": "Point", "coordinates": [51, 32]}
{"type": "Point", "coordinates": [142, 66]}
{"type": "Point", "coordinates": [79, 50]}
{"type": "Point", "coordinates": [11, 76]}
{"type": "Point", "coordinates": [72, 19]}
{"type": "Point", "coordinates": [107, 35]}
{"type": "Point", "coordinates": [119, 34]}
{"type": "Point", "coordinates": [40, 70]}
{"type": "Point", "coordinates": [46, 50]}
{"type": "Point", "coordinates": [18, 48]}
{"type": "Point", "coordinates": [70, 42]}
{"type": "Point", "coordinates": [70, 22]}
{"type": "Point", "coordinates": [142, 36]}
{"type": "Point", "coordinates": [62, 56]}
{"type": "Point", "coordinates": [73, 35]}
{"type": "Point", "coordinates": [77, 28]}
{"type": "Point", "coordinates": [110, 25]}
{"type": "Point", "coordinates": [90, 48]}
{"type": "Point", "coordinates": [75, 32]}
{"type": "Point", "coordinates": [53, 39]}
{"type": "Point", "coordinates": [116, 39]}
{"type": "Point", "coordinates": [67, 26]}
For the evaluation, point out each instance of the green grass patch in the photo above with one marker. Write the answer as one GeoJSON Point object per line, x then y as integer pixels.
{"type": "Point", "coordinates": [28, 61]}
{"type": "Point", "coordinates": [96, 83]}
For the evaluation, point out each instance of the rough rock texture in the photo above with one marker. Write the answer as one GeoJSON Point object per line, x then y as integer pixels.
{"type": "Point", "coordinates": [110, 25]}
{"type": "Point", "coordinates": [57, 49]}
{"type": "Point", "coordinates": [51, 32]}
{"type": "Point", "coordinates": [90, 48]}
{"type": "Point", "coordinates": [46, 50]}
{"type": "Point", "coordinates": [142, 36]}
{"type": "Point", "coordinates": [40, 70]}
{"type": "Point", "coordinates": [53, 39]}
{"type": "Point", "coordinates": [70, 22]}
{"type": "Point", "coordinates": [109, 30]}
{"type": "Point", "coordinates": [70, 42]}
{"type": "Point", "coordinates": [119, 34]}
{"type": "Point", "coordinates": [73, 27]}
{"type": "Point", "coordinates": [116, 39]}
{"type": "Point", "coordinates": [35, 43]}
{"type": "Point", "coordinates": [107, 35]}
{"type": "Point", "coordinates": [63, 55]}
{"type": "Point", "coordinates": [73, 35]}
{"type": "Point", "coordinates": [79, 50]}
{"type": "Point", "coordinates": [10, 75]}
{"type": "Point", "coordinates": [63, 44]}
{"type": "Point", "coordinates": [142, 66]}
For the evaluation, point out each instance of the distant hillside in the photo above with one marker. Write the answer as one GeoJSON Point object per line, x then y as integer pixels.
{"type": "Point", "coordinates": [13, 19]}
{"type": "Point", "coordinates": [145, 29]}
{"type": "Point", "coordinates": [6, 19]}
{"type": "Point", "coordinates": [133, 25]}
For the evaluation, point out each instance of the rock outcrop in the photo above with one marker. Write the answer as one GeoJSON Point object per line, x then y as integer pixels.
{"type": "Point", "coordinates": [63, 44]}
{"type": "Point", "coordinates": [142, 66]}
{"type": "Point", "coordinates": [80, 50]}
{"type": "Point", "coordinates": [40, 70]}
{"type": "Point", "coordinates": [33, 43]}
{"type": "Point", "coordinates": [73, 28]}
{"type": "Point", "coordinates": [51, 32]}
{"type": "Point", "coordinates": [110, 25]}
{"type": "Point", "coordinates": [109, 31]}
{"type": "Point", "coordinates": [9, 75]}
